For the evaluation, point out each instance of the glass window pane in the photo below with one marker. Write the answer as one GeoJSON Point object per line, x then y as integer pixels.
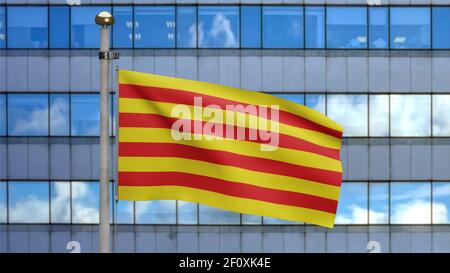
{"type": "Point", "coordinates": [410, 27]}
{"type": "Point", "coordinates": [248, 219]}
{"type": "Point", "coordinates": [28, 202]}
{"type": "Point", "coordinates": [379, 115]}
{"type": "Point", "coordinates": [441, 202]}
{"type": "Point", "coordinates": [28, 114]}
{"type": "Point", "coordinates": [441, 118]}
{"type": "Point", "coordinates": [123, 27]}
{"type": "Point", "coordinates": [59, 114]}
{"type": "Point", "coordinates": [352, 207]}
{"type": "Point", "coordinates": [125, 212]}
{"type": "Point", "coordinates": [350, 111]}
{"type": "Point", "coordinates": [154, 26]}
{"type": "Point", "coordinates": [84, 32]}
{"type": "Point", "coordinates": [85, 114]}
{"type": "Point", "coordinates": [276, 221]}
{"type": "Point", "coordinates": [59, 27]}
{"type": "Point", "coordinates": [378, 27]}
{"type": "Point", "coordinates": [410, 115]}
{"type": "Point", "coordinates": [187, 213]}
{"type": "Point", "coordinates": [27, 27]}
{"type": "Point", "coordinates": [251, 26]}
{"type": "Point", "coordinates": [315, 27]}
{"type": "Point", "coordinates": [316, 102]}
{"type": "Point", "coordinates": [3, 210]}
{"type": "Point", "coordinates": [441, 27]}
{"type": "Point", "coordinates": [410, 203]}
{"type": "Point", "coordinates": [156, 212]}
{"type": "Point", "coordinates": [282, 27]}
{"type": "Point", "coordinates": [2, 27]}
{"type": "Point", "coordinates": [214, 216]}
{"type": "Point", "coordinates": [379, 203]}
{"type": "Point", "coordinates": [346, 27]}
{"type": "Point", "coordinates": [2, 114]}
{"type": "Point", "coordinates": [297, 98]}
{"type": "Point", "coordinates": [85, 202]}
{"type": "Point", "coordinates": [218, 27]}
{"type": "Point", "coordinates": [186, 27]}
{"type": "Point", "coordinates": [60, 202]}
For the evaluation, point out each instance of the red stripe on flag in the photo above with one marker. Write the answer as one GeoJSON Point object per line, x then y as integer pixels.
{"type": "Point", "coordinates": [187, 97]}
{"type": "Point", "coordinates": [228, 188]}
{"type": "Point", "coordinates": [145, 149]}
{"type": "Point", "coordinates": [285, 141]}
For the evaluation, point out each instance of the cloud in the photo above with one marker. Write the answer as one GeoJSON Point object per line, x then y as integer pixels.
{"type": "Point", "coordinates": [441, 120]}
{"type": "Point", "coordinates": [220, 33]}
{"type": "Point", "coordinates": [413, 212]}
{"type": "Point", "coordinates": [358, 215]}
{"type": "Point", "coordinates": [33, 209]}
{"type": "Point", "coordinates": [410, 115]}
{"type": "Point", "coordinates": [159, 211]}
{"type": "Point", "coordinates": [36, 120]}
{"type": "Point", "coordinates": [418, 212]}
{"type": "Point", "coordinates": [29, 209]}
{"type": "Point", "coordinates": [350, 111]}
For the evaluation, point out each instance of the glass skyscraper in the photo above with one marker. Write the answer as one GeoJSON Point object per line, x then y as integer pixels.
{"type": "Point", "coordinates": [382, 71]}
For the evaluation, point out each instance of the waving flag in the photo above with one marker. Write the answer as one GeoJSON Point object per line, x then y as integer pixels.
{"type": "Point", "coordinates": [224, 147]}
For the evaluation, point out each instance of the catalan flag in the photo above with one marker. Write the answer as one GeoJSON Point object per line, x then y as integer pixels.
{"type": "Point", "coordinates": [228, 148]}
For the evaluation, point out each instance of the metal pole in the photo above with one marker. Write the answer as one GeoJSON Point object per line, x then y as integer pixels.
{"type": "Point", "coordinates": [104, 19]}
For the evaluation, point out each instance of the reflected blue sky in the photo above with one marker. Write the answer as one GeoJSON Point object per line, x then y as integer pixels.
{"type": "Point", "coordinates": [186, 27]}
{"type": "Point", "coordinates": [154, 26]}
{"type": "Point", "coordinates": [378, 27]}
{"type": "Point", "coordinates": [251, 26]}
{"type": "Point", "coordinates": [28, 202]}
{"type": "Point", "coordinates": [214, 216]}
{"type": "Point", "coordinates": [218, 27]}
{"type": "Point", "coordinates": [160, 211]}
{"type": "Point", "coordinates": [60, 202]}
{"type": "Point", "coordinates": [316, 102]}
{"type": "Point", "coordinates": [282, 27]}
{"type": "Point", "coordinates": [441, 27]}
{"type": "Point", "coordinates": [441, 202]}
{"type": "Point", "coordinates": [85, 114]}
{"type": "Point", "coordinates": [2, 27]}
{"type": "Point", "coordinates": [315, 27]}
{"type": "Point", "coordinates": [28, 114]}
{"type": "Point", "coordinates": [379, 115]}
{"type": "Point", "coordinates": [3, 210]}
{"type": "Point", "coordinates": [2, 115]}
{"type": "Point", "coordinates": [353, 200]}
{"type": "Point", "coordinates": [27, 27]}
{"type": "Point", "coordinates": [59, 26]}
{"type": "Point", "coordinates": [379, 203]}
{"type": "Point", "coordinates": [187, 212]}
{"type": "Point", "coordinates": [410, 203]}
{"type": "Point", "coordinates": [123, 27]}
{"type": "Point", "coordinates": [346, 27]}
{"type": "Point", "coordinates": [410, 27]}
{"type": "Point", "coordinates": [59, 115]}
{"type": "Point", "coordinates": [84, 31]}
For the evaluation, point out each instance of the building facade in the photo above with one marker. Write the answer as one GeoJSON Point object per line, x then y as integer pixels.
{"type": "Point", "coordinates": [382, 71]}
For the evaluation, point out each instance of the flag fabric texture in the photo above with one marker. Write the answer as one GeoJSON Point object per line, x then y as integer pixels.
{"type": "Point", "coordinates": [178, 140]}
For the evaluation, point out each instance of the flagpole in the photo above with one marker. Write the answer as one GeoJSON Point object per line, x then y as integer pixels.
{"type": "Point", "coordinates": [104, 19]}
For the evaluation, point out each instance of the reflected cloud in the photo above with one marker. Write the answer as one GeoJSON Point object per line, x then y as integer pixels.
{"type": "Point", "coordinates": [418, 212]}
{"type": "Point", "coordinates": [350, 111]}
{"type": "Point", "coordinates": [220, 34]}
{"type": "Point", "coordinates": [441, 115]}
{"type": "Point", "coordinates": [158, 211]}
{"type": "Point", "coordinates": [410, 115]}
{"type": "Point", "coordinates": [84, 203]}
{"type": "Point", "coordinates": [29, 209]}
{"type": "Point", "coordinates": [358, 215]}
